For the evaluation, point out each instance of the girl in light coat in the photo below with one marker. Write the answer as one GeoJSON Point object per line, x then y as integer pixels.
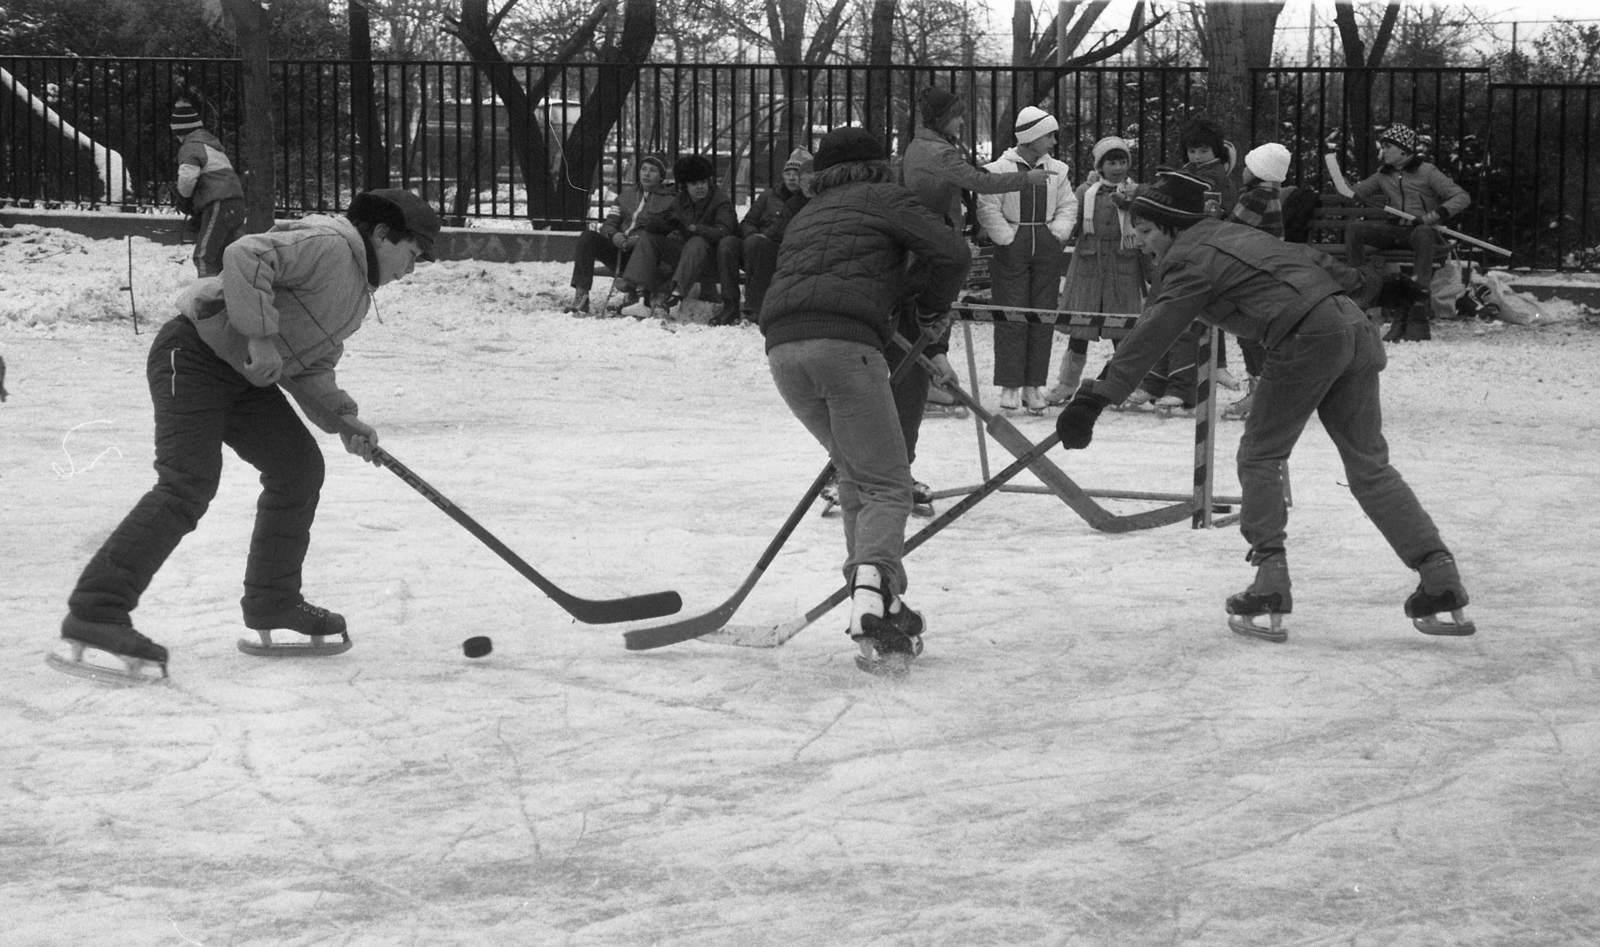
{"type": "Point", "coordinates": [1029, 229]}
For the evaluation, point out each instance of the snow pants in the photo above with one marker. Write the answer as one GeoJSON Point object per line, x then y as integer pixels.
{"type": "Point", "coordinates": [1027, 273]}
{"type": "Point", "coordinates": [594, 245]}
{"type": "Point", "coordinates": [221, 223]}
{"type": "Point", "coordinates": [202, 403]}
{"type": "Point", "coordinates": [840, 391]}
{"type": "Point", "coordinates": [1329, 367]}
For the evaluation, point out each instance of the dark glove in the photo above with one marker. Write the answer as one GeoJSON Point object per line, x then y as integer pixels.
{"type": "Point", "coordinates": [1075, 423]}
{"type": "Point", "coordinates": [1399, 292]}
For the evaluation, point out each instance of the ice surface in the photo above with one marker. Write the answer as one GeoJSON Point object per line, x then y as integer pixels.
{"type": "Point", "coordinates": [1084, 755]}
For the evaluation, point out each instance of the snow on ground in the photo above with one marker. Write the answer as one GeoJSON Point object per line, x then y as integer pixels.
{"type": "Point", "coordinates": [1084, 756]}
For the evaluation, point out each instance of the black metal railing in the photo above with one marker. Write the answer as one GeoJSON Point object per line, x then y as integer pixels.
{"type": "Point", "coordinates": [92, 132]}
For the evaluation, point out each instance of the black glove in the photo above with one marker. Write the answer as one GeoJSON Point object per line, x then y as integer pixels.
{"type": "Point", "coordinates": [1075, 423]}
{"type": "Point", "coordinates": [1399, 292]}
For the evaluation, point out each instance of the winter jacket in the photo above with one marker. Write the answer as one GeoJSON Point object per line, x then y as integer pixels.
{"type": "Point", "coordinates": [1107, 271]}
{"type": "Point", "coordinates": [771, 213]}
{"type": "Point", "coordinates": [842, 268]}
{"type": "Point", "coordinates": [303, 284]}
{"type": "Point", "coordinates": [1415, 187]}
{"type": "Point", "coordinates": [1242, 280]}
{"type": "Point", "coordinates": [632, 203]}
{"type": "Point", "coordinates": [1053, 204]}
{"type": "Point", "coordinates": [1219, 174]}
{"type": "Point", "coordinates": [205, 175]}
{"type": "Point", "coordinates": [937, 172]}
{"type": "Point", "coordinates": [1259, 207]}
{"type": "Point", "coordinates": [712, 218]}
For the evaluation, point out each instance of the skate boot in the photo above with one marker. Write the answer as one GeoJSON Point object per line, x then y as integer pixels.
{"type": "Point", "coordinates": [1239, 410]}
{"type": "Point", "coordinates": [942, 404]}
{"type": "Point", "coordinates": [921, 499]}
{"type": "Point", "coordinates": [315, 623]}
{"type": "Point", "coordinates": [830, 494]}
{"type": "Point", "coordinates": [1172, 406]}
{"type": "Point", "coordinates": [1072, 365]}
{"type": "Point", "coordinates": [115, 638]}
{"type": "Point", "coordinates": [580, 303]}
{"type": "Point", "coordinates": [1268, 595]}
{"type": "Point", "coordinates": [1139, 400]}
{"type": "Point", "coordinates": [1033, 399]}
{"type": "Point", "coordinates": [888, 633]}
{"type": "Point", "coordinates": [1440, 591]}
{"type": "Point", "coordinates": [1010, 399]}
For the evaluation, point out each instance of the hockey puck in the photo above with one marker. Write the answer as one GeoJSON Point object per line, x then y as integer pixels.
{"type": "Point", "coordinates": [477, 647]}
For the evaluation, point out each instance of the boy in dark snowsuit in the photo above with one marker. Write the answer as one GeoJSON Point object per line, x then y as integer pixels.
{"type": "Point", "coordinates": [1323, 358]}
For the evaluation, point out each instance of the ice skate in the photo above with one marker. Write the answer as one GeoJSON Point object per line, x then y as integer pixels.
{"type": "Point", "coordinates": [120, 640]}
{"type": "Point", "coordinates": [1239, 410]}
{"type": "Point", "coordinates": [936, 408]}
{"type": "Point", "coordinates": [317, 624]}
{"type": "Point", "coordinates": [1010, 399]}
{"type": "Point", "coordinates": [1140, 400]}
{"type": "Point", "coordinates": [580, 303]}
{"type": "Point", "coordinates": [1225, 378]}
{"type": "Point", "coordinates": [921, 499]}
{"type": "Point", "coordinates": [1033, 399]}
{"type": "Point", "coordinates": [1440, 591]}
{"type": "Point", "coordinates": [888, 632]}
{"type": "Point", "coordinates": [638, 307]}
{"type": "Point", "coordinates": [1268, 595]}
{"type": "Point", "coordinates": [1172, 406]}
{"type": "Point", "coordinates": [1072, 365]}
{"type": "Point", "coordinates": [830, 495]}
{"type": "Point", "coordinates": [618, 303]}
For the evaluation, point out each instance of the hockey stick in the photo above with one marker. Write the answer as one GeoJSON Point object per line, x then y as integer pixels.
{"type": "Point", "coordinates": [1345, 190]}
{"type": "Point", "coordinates": [658, 636]}
{"type": "Point", "coordinates": [588, 611]}
{"type": "Point", "coordinates": [772, 636]}
{"type": "Point", "coordinates": [1057, 480]}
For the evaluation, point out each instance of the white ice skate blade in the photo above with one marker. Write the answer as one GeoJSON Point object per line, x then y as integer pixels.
{"type": "Point", "coordinates": [130, 675]}
{"type": "Point", "coordinates": [317, 647]}
{"type": "Point", "coordinates": [1460, 626]}
{"type": "Point", "coordinates": [1273, 631]}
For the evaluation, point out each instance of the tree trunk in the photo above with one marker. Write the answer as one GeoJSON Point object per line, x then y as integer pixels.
{"type": "Point", "coordinates": [1358, 80]}
{"type": "Point", "coordinates": [1237, 37]}
{"type": "Point", "coordinates": [880, 59]}
{"type": "Point", "coordinates": [252, 24]}
{"type": "Point", "coordinates": [369, 140]}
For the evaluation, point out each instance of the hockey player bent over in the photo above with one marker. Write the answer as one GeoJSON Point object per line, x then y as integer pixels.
{"type": "Point", "coordinates": [1323, 357]}
{"type": "Point", "coordinates": [827, 319]}
{"type": "Point", "coordinates": [284, 304]}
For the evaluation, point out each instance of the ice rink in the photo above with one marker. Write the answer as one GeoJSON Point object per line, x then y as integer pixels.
{"type": "Point", "coordinates": [1083, 756]}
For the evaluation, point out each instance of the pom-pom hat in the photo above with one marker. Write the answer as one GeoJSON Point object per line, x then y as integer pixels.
{"type": "Point", "coordinates": [848, 143]}
{"type": "Point", "coordinates": [185, 117]}
{"type": "Point", "coordinates": [1034, 123]}
{"type": "Point", "coordinates": [1174, 199]}
{"type": "Point", "coordinates": [1269, 162]}
{"type": "Point", "coordinates": [799, 160]}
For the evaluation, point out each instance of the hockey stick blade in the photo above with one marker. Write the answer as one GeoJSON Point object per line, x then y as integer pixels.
{"type": "Point", "coordinates": [687, 629]}
{"type": "Point", "coordinates": [588, 611]}
{"type": "Point", "coordinates": [773, 636]}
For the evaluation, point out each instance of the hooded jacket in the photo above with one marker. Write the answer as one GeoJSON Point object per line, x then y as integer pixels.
{"type": "Point", "coordinates": [304, 285]}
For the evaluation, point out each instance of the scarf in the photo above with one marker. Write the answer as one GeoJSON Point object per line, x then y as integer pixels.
{"type": "Point", "coordinates": [1087, 212]}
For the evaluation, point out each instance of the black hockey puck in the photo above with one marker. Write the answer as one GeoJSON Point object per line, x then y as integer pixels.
{"type": "Point", "coordinates": [477, 647]}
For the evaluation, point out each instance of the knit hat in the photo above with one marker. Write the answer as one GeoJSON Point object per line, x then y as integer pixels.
{"type": "Point", "coordinates": [1269, 162]}
{"type": "Point", "coordinates": [1034, 123]}
{"type": "Point", "coordinates": [1107, 146]}
{"type": "Point", "coordinates": [799, 160]}
{"type": "Point", "coordinates": [936, 105]}
{"type": "Point", "coordinates": [185, 117]}
{"type": "Point", "coordinates": [848, 143]}
{"type": "Point", "coordinates": [1401, 136]}
{"type": "Point", "coordinates": [1175, 198]}
{"type": "Point", "coordinates": [401, 210]}
{"type": "Point", "coordinates": [691, 168]}
{"type": "Point", "coordinates": [658, 161]}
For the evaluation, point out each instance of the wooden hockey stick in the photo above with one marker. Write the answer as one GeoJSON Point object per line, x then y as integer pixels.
{"type": "Point", "coordinates": [658, 636]}
{"type": "Point", "coordinates": [588, 611]}
{"type": "Point", "coordinates": [1345, 190]}
{"type": "Point", "coordinates": [772, 636]}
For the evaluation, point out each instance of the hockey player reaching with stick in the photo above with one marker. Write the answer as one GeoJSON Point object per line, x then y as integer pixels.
{"type": "Point", "coordinates": [282, 308]}
{"type": "Point", "coordinates": [842, 274]}
{"type": "Point", "coordinates": [1323, 357]}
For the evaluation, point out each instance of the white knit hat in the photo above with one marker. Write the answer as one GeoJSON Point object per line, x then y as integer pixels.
{"type": "Point", "coordinates": [1269, 162]}
{"type": "Point", "coordinates": [1034, 123]}
{"type": "Point", "coordinates": [1105, 146]}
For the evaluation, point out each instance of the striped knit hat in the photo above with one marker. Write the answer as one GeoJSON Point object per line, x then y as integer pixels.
{"type": "Point", "coordinates": [185, 117]}
{"type": "Point", "coordinates": [1034, 123]}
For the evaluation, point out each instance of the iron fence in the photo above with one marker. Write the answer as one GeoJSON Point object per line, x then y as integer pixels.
{"type": "Point", "coordinates": [94, 131]}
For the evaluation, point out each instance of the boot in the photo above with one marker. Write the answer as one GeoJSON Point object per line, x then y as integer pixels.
{"type": "Point", "coordinates": [1397, 325]}
{"type": "Point", "coordinates": [1072, 364]}
{"type": "Point", "coordinates": [1239, 410]}
{"type": "Point", "coordinates": [1268, 595]}
{"type": "Point", "coordinates": [728, 315]}
{"type": "Point", "coordinates": [1439, 591]}
{"type": "Point", "coordinates": [888, 632]}
{"type": "Point", "coordinates": [580, 303]}
{"type": "Point", "coordinates": [1010, 399]}
{"type": "Point", "coordinates": [1419, 327]}
{"type": "Point", "coordinates": [1033, 399]}
{"type": "Point", "coordinates": [661, 308]}
{"type": "Point", "coordinates": [303, 617]}
{"type": "Point", "coordinates": [114, 638]}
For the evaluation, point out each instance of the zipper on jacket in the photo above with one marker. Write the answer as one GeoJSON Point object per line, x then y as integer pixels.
{"type": "Point", "coordinates": [173, 360]}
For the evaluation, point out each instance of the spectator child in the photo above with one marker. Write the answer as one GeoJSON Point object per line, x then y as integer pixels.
{"type": "Point", "coordinates": [613, 243]}
{"type": "Point", "coordinates": [755, 246]}
{"type": "Point", "coordinates": [677, 249]}
{"type": "Point", "coordinates": [208, 189]}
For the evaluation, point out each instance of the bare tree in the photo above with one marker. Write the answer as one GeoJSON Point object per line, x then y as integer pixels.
{"type": "Point", "coordinates": [1359, 57]}
{"type": "Point", "coordinates": [569, 176]}
{"type": "Point", "coordinates": [1235, 37]}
